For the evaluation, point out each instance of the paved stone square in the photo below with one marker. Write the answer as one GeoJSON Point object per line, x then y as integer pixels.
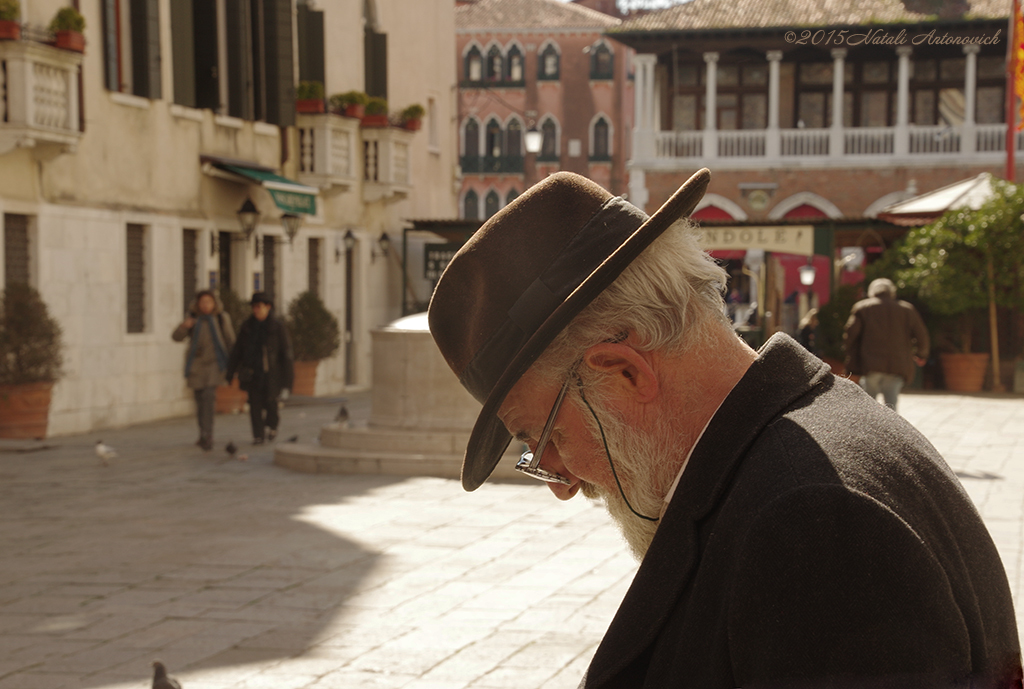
{"type": "Point", "coordinates": [240, 574]}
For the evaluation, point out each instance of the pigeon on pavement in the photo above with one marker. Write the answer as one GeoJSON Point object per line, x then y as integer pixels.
{"type": "Point", "coordinates": [231, 447]}
{"type": "Point", "coordinates": [105, 452]}
{"type": "Point", "coordinates": [293, 439]}
{"type": "Point", "coordinates": [342, 416]}
{"type": "Point", "coordinates": [160, 678]}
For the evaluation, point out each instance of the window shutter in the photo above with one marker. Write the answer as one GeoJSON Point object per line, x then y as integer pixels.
{"type": "Point", "coordinates": [270, 266]}
{"type": "Point", "coordinates": [183, 49]}
{"type": "Point", "coordinates": [375, 54]}
{"type": "Point", "coordinates": [240, 63]}
{"type": "Point", "coordinates": [145, 20]}
{"type": "Point", "coordinates": [311, 43]}
{"type": "Point", "coordinates": [314, 265]}
{"type": "Point", "coordinates": [189, 264]}
{"type": "Point", "coordinates": [15, 249]}
{"type": "Point", "coordinates": [111, 71]}
{"type": "Point", "coordinates": [136, 279]}
{"type": "Point", "coordinates": [280, 80]}
{"type": "Point", "coordinates": [207, 73]}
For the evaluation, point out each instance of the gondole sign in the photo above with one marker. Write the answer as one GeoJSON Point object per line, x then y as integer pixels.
{"type": "Point", "coordinates": [789, 239]}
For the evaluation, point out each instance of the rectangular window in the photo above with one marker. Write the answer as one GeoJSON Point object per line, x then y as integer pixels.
{"type": "Point", "coordinates": [136, 278]}
{"type": "Point", "coordinates": [375, 63]}
{"type": "Point", "coordinates": [310, 29]}
{"type": "Point", "coordinates": [224, 254]}
{"type": "Point", "coordinates": [16, 249]}
{"type": "Point", "coordinates": [131, 47]}
{"type": "Point", "coordinates": [433, 139]}
{"type": "Point", "coordinates": [189, 265]}
{"type": "Point", "coordinates": [314, 265]}
{"type": "Point", "coordinates": [270, 267]}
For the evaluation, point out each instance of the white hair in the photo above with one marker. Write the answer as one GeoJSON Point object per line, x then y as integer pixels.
{"type": "Point", "coordinates": [881, 286]}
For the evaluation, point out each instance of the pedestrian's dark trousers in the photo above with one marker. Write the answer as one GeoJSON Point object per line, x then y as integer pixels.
{"type": "Point", "coordinates": [262, 411]}
{"type": "Point", "coordinates": [206, 400]}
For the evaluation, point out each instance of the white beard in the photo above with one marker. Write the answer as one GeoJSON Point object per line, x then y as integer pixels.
{"type": "Point", "coordinates": [643, 463]}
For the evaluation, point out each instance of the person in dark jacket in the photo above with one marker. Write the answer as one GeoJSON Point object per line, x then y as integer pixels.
{"type": "Point", "coordinates": [884, 339]}
{"type": "Point", "coordinates": [262, 358]}
{"type": "Point", "coordinates": [208, 329]}
{"type": "Point", "coordinates": [792, 532]}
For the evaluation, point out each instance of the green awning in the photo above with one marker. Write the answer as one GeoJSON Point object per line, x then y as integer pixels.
{"type": "Point", "coordinates": [289, 196]}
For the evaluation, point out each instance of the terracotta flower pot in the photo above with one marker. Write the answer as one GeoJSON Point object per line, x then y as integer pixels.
{"type": "Point", "coordinates": [9, 30]}
{"type": "Point", "coordinates": [356, 110]}
{"type": "Point", "coordinates": [24, 410]}
{"type": "Point", "coordinates": [413, 125]}
{"type": "Point", "coordinates": [312, 106]}
{"type": "Point", "coordinates": [374, 121]}
{"type": "Point", "coordinates": [230, 398]}
{"type": "Point", "coordinates": [964, 372]}
{"type": "Point", "coordinates": [70, 40]}
{"type": "Point", "coordinates": [305, 378]}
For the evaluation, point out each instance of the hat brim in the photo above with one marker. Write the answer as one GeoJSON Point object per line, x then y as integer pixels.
{"type": "Point", "coordinates": [489, 437]}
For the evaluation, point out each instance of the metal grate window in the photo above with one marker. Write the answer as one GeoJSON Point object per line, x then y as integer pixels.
{"type": "Point", "coordinates": [16, 249]}
{"type": "Point", "coordinates": [314, 265]}
{"type": "Point", "coordinates": [189, 264]}
{"type": "Point", "coordinates": [270, 267]}
{"type": "Point", "coordinates": [136, 282]}
{"type": "Point", "coordinates": [224, 264]}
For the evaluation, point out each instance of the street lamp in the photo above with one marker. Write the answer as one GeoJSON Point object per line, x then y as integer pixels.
{"type": "Point", "coordinates": [291, 223]}
{"type": "Point", "coordinates": [384, 242]}
{"type": "Point", "coordinates": [248, 218]}
{"type": "Point", "coordinates": [807, 274]}
{"type": "Point", "coordinates": [534, 140]}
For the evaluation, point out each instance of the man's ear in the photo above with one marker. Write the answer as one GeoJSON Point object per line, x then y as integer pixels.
{"type": "Point", "coordinates": [629, 369]}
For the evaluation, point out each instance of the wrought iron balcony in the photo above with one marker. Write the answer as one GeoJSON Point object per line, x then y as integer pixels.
{"type": "Point", "coordinates": [492, 165]}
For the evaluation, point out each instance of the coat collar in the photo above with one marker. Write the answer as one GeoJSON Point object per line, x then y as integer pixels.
{"type": "Point", "coordinates": [783, 372]}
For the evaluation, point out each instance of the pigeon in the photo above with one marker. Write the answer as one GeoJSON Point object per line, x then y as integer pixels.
{"type": "Point", "coordinates": [105, 452]}
{"type": "Point", "coordinates": [342, 416]}
{"type": "Point", "coordinates": [231, 448]}
{"type": "Point", "coordinates": [293, 439]}
{"type": "Point", "coordinates": [160, 678]}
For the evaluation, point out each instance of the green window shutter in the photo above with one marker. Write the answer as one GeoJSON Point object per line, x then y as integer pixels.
{"type": "Point", "coordinates": [111, 70]}
{"type": "Point", "coordinates": [310, 25]}
{"type": "Point", "coordinates": [183, 50]}
{"type": "Point", "coordinates": [240, 63]}
{"type": "Point", "coordinates": [204, 35]}
{"type": "Point", "coordinates": [279, 78]}
{"type": "Point", "coordinates": [145, 21]}
{"type": "Point", "coordinates": [375, 54]}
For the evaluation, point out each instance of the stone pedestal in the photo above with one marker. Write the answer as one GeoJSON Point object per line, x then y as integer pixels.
{"type": "Point", "coordinates": [420, 416]}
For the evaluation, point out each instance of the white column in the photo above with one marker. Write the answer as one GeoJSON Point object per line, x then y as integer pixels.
{"type": "Point", "coordinates": [968, 135]}
{"type": "Point", "coordinates": [711, 106]}
{"type": "Point", "coordinates": [643, 98]}
{"type": "Point", "coordinates": [902, 143]}
{"type": "Point", "coordinates": [836, 144]}
{"type": "Point", "coordinates": [772, 144]}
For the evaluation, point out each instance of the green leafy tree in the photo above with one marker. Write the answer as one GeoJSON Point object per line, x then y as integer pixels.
{"type": "Point", "coordinates": [314, 329]}
{"type": "Point", "coordinates": [30, 339]}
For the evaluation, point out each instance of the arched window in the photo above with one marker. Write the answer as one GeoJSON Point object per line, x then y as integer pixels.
{"type": "Point", "coordinates": [471, 206]}
{"type": "Point", "coordinates": [474, 65]}
{"type": "Point", "coordinates": [514, 139]}
{"type": "Point", "coordinates": [512, 195]}
{"type": "Point", "coordinates": [471, 137]}
{"type": "Point", "coordinates": [493, 70]}
{"type": "Point", "coordinates": [493, 140]}
{"type": "Point", "coordinates": [514, 64]}
{"type": "Point", "coordinates": [491, 203]}
{"type": "Point", "coordinates": [601, 150]}
{"type": "Point", "coordinates": [547, 63]}
{"type": "Point", "coordinates": [549, 149]}
{"type": "Point", "coordinates": [601, 63]}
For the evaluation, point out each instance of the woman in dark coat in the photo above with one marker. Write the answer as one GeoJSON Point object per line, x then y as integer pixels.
{"type": "Point", "coordinates": [262, 357]}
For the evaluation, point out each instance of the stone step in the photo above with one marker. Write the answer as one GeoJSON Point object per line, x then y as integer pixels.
{"type": "Point", "coordinates": [399, 441]}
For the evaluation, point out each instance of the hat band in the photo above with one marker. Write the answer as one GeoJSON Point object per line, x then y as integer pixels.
{"type": "Point", "coordinates": [598, 239]}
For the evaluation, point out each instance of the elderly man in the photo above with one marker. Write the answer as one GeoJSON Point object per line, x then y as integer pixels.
{"type": "Point", "coordinates": [791, 532]}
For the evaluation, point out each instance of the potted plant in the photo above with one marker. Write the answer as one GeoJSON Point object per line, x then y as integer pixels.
{"type": "Point", "coordinates": [376, 113]}
{"type": "Point", "coordinates": [230, 398]}
{"type": "Point", "coordinates": [309, 97]}
{"type": "Point", "coordinates": [832, 319]}
{"type": "Point", "coordinates": [960, 265]}
{"type": "Point", "coordinates": [68, 27]}
{"type": "Point", "coordinates": [315, 336]}
{"type": "Point", "coordinates": [412, 117]}
{"type": "Point", "coordinates": [350, 103]}
{"type": "Point", "coordinates": [30, 362]}
{"type": "Point", "coordinates": [10, 28]}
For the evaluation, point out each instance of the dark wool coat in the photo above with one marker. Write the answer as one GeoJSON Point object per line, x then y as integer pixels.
{"type": "Point", "coordinates": [816, 539]}
{"type": "Point", "coordinates": [274, 363]}
{"type": "Point", "coordinates": [205, 371]}
{"type": "Point", "coordinates": [883, 335]}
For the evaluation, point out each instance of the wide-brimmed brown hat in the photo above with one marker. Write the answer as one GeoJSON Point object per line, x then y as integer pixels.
{"type": "Point", "coordinates": [523, 276]}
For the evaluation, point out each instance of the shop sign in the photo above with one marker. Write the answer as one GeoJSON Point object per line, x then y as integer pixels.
{"type": "Point", "coordinates": [790, 239]}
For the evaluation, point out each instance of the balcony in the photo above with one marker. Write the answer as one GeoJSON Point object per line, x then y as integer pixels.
{"type": "Point", "coordinates": [492, 165]}
{"type": "Point", "coordinates": [38, 98]}
{"type": "Point", "coordinates": [833, 147]}
{"type": "Point", "coordinates": [327, 152]}
{"type": "Point", "coordinates": [386, 160]}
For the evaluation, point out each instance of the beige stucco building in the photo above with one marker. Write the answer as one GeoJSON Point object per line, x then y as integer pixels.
{"type": "Point", "coordinates": [122, 171]}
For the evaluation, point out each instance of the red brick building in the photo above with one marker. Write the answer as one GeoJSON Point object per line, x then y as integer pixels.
{"type": "Point", "coordinates": [538, 65]}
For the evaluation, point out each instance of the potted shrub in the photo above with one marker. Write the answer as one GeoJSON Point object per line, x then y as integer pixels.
{"type": "Point", "coordinates": [30, 362]}
{"type": "Point", "coordinates": [309, 97]}
{"type": "Point", "coordinates": [230, 398]}
{"type": "Point", "coordinates": [10, 28]}
{"type": "Point", "coordinates": [68, 27]}
{"type": "Point", "coordinates": [832, 319]}
{"type": "Point", "coordinates": [376, 113]}
{"type": "Point", "coordinates": [350, 103]}
{"type": "Point", "coordinates": [960, 265]}
{"type": "Point", "coordinates": [412, 117]}
{"type": "Point", "coordinates": [315, 336]}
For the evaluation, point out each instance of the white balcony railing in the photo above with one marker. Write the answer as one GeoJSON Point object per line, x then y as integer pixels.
{"type": "Point", "coordinates": [386, 168]}
{"type": "Point", "coordinates": [974, 144]}
{"type": "Point", "coordinates": [38, 98]}
{"type": "Point", "coordinates": [328, 151]}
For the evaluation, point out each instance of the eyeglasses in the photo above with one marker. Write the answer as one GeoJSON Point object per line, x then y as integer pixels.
{"type": "Point", "coordinates": [529, 463]}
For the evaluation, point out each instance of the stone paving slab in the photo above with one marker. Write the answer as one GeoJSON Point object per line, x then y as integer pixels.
{"type": "Point", "coordinates": [243, 575]}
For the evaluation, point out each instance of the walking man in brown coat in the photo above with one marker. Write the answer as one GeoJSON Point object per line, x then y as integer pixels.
{"type": "Point", "coordinates": [885, 339]}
